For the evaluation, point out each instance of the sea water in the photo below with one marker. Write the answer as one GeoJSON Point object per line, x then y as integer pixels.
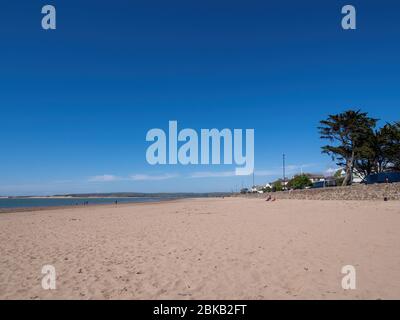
{"type": "Point", "coordinates": [9, 203]}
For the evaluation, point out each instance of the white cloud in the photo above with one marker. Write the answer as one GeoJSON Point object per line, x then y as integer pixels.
{"type": "Point", "coordinates": [134, 177]}
{"type": "Point", "coordinates": [331, 171]}
{"type": "Point", "coordinates": [261, 173]}
{"type": "Point", "coordinates": [104, 178]}
{"type": "Point", "coordinates": [265, 173]}
{"type": "Point", "coordinates": [146, 177]}
{"type": "Point", "coordinates": [290, 169]}
{"type": "Point", "coordinates": [296, 167]}
{"type": "Point", "coordinates": [208, 174]}
{"type": "Point", "coordinates": [224, 174]}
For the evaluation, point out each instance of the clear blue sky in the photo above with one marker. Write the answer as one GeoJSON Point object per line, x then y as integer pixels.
{"type": "Point", "coordinates": [76, 103]}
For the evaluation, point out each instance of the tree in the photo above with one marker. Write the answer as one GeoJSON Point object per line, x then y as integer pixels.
{"type": "Point", "coordinates": [392, 148]}
{"type": "Point", "coordinates": [300, 182]}
{"type": "Point", "coordinates": [348, 130]}
{"type": "Point", "coordinates": [267, 189]}
{"type": "Point", "coordinates": [370, 154]}
{"type": "Point", "coordinates": [380, 151]}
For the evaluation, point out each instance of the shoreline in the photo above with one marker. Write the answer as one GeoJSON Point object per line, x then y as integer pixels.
{"type": "Point", "coordinates": [161, 201]}
{"type": "Point", "coordinates": [80, 206]}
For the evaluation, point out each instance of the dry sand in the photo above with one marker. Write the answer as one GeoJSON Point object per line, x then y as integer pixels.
{"type": "Point", "coordinates": [232, 248]}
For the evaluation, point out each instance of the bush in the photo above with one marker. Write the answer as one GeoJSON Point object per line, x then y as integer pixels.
{"type": "Point", "coordinates": [266, 189]}
{"type": "Point", "coordinates": [277, 186]}
{"type": "Point", "coordinates": [300, 182]}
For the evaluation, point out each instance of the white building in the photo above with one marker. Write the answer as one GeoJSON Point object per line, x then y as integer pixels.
{"type": "Point", "coordinates": [261, 188]}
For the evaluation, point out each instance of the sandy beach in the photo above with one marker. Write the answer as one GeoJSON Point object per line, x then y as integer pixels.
{"type": "Point", "coordinates": [232, 248]}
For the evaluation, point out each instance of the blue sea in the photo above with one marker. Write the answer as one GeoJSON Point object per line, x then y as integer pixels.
{"type": "Point", "coordinates": [11, 203]}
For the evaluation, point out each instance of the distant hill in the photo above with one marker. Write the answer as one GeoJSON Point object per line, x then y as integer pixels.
{"type": "Point", "coordinates": [141, 195]}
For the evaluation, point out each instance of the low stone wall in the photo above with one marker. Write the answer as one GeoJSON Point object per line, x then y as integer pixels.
{"type": "Point", "coordinates": [355, 192]}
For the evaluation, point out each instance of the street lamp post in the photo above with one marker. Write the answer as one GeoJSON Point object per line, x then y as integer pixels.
{"type": "Point", "coordinates": [284, 173]}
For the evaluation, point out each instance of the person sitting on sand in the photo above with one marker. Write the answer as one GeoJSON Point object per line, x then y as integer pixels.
{"type": "Point", "coordinates": [269, 198]}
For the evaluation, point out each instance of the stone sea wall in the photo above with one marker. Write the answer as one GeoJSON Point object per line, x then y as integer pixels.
{"type": "Point", "coordinates": [390, 191]}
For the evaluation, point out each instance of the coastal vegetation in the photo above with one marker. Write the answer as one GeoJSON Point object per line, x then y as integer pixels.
{"type": "Point", "coordinates": [299, 182]}
{"type": "Point", "coordinates": [358, 147]}
{"type": "Point", "coordinates": [146, 195]}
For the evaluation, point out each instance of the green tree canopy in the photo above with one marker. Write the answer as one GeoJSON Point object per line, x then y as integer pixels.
{"type": "Point", "coordinates": [358, 147]}
{"type": "Point", "coordinates": [380, 151]}
{"type": "Point", "coordinates": [347, 132]}
{"type": "Point", "coordinates": [277, 186]}
{"type": "Point", "coordinates": [300, 182]}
